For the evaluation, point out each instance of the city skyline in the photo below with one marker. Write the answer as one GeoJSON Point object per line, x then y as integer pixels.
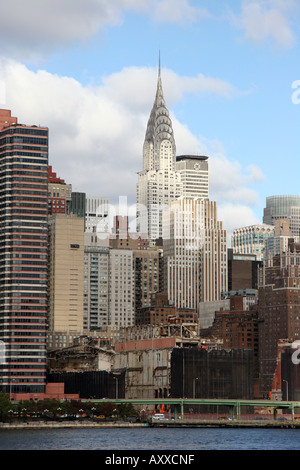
{"type": "Point", "coordinates": [228, 72]}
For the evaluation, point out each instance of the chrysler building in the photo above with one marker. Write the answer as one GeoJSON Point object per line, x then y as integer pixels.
{"type": "Point", "coordinates": [158, 183]}
{"type": "Point", "coordinates": [173, 205]}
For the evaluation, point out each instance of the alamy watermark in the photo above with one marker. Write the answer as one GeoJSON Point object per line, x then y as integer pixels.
{"type": "Point", "coordinates": [153, 222]}
{"type": "Point", "coordinates": [296, 354]}
{"type": "Point", "coordinates": [296, 93]}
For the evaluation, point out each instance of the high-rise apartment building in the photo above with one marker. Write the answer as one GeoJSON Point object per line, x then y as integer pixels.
{"type": "Point", "coordinates": [119, 276]}
{"type": "Point", "coordinates": [66, 273]}
{"type": "Point", "coordinates": [96, 281]}
{"type": "Point", "coordinates": [121, 237]}
{"type": "Point", "coordinates": [23, 254]}
{"type": "Point", "coordinates": [121, 287]}
{"type": "Point", "coordinates": [146, 276]}
{"type": "Point", "coordinates": [279, 310]}
{"type": "Point", "coordinates": [195, 253]}
{"type": "Point", "coordinates": [283, 207]}
{"type": "Point", "coordinates": [280, 242]}
{"type": "Point", "coordinates": [159, 182]}
{"type": "Point", "coordinates": [237, 327]}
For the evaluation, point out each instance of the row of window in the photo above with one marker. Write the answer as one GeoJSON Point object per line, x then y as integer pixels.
{"type": "Point", "coordinates": [27, 130]}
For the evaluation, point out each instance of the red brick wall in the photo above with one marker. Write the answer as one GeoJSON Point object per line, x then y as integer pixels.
{"type": "Point", "coordinates": [146, 344]}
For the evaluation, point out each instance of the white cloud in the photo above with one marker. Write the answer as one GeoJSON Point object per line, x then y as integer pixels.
{"type": "Point", "coordinates": [263, 20]}
{"type": "Point", "coordinates": [176, 11]}
{"type": "Point", "coordinates": [134, 85]}
{"type": "Point", "coordinates": [255, 174]}
{"type": "Point", "coordinates": [236, 216]}
{"type": "Point", "coordinates": [33, 28]}
{"type": "Point", "coordinates": [229, 183]}
{"type": "Point", "coordinates": [42, 25]}
{"type": "Point", "coordinates": [97, 133]}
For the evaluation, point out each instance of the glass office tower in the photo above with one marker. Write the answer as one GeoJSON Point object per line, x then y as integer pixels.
{"type": "Point", "coordinates": [283, 207]}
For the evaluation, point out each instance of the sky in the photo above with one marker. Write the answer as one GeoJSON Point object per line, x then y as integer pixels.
{"type": "Point", "coordinates": [87, 70]}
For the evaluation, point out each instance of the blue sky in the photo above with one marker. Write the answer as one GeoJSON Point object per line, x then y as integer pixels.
{"type": "Point", "coordinates": [87, 69]}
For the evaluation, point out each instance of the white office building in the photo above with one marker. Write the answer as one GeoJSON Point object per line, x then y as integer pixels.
{"type": "Point", "coordinates": [121, 286]}
{"type": "Point", "coordinates": [195, 253]}
{"type": "Point", "coordinates": [251, 239]}
{"type": "Point", "coordinates": [194, 176]}
{"type": "Point", "coordinates": [96, 214]}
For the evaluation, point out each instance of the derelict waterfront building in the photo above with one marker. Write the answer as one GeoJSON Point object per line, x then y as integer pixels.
{"type": "Point", "coordinates": [200, 373]}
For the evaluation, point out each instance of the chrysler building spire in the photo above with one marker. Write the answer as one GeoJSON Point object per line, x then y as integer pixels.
{"type": "Point", "coordinates": [159, 91]}
{"type": "Point", "coordinates": [159, 184]}
{"type": "Point", "coordinates": [159, 139]}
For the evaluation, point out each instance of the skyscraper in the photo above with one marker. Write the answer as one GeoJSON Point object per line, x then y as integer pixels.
{"type": "Point", "coordinates": [96, 281]}
{"type": "Point", "coordinates": [193, 171]}
{"type": "Point", "coordinates": [23, 254]}
{"type": "Point", "coordinates": [173, 205]}
{"type": "Point", "coordinates": [195, 253]}
{"type": "Point", "coordinates": [283, 207]}
{"type": "Point", "coordinates": [66, 267]}
{"type": "Point", "coordinates": [158, 183]}
{"type": "Point", "coordinates": [121, 285]}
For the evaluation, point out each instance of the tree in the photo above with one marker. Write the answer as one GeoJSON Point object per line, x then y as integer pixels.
{"type": "Point", "coordinates": [5, 406]}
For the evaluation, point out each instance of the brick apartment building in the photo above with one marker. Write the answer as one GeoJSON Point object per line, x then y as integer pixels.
{"type": "Point", "coordinates": [161, 312]}
{"type": "Point", "coordinates": [279, 311]}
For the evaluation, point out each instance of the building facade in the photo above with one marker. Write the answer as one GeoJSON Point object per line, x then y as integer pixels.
{"type": "Point", "coordinates": [59, 194]}
{"type": "Point", "coordinates": [96, 282]}
{"type": "Point", "coordinates": [195, 253]}
{"type": "Point", "coordinates": [121, 287]}
{"type": "Point", "coordinates": [251, 239]}
{"type": "Point", "coordinates": [283, 207]}
{"type": "Point", "coordinates": [194, 176]}
{"type": "Point", "coordinates": [279, 310]}
{"type": "Point", "coordinates": [242, 271]}
{"type": "Point", "coordinates": [280, 242]}
{"type": "Point", "coordinates": [78, 204]}
{"type": "Point", "coordinates": [66, 280]}
{"type": "Point", "coordinates": [158, 183]}
{"type": "Point", "coordinates": [146, 276]}
{"type": "Point", "coordinates": [199, 373]}
{"type": "Point", "coordinates": [23, 254]}
{"type": "Point", "coordinates": [161, 312]}
{"type": "Point", "coordinates": [96, 214]}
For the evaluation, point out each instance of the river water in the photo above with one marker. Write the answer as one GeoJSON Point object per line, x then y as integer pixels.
{"type": "Point", "coordinates": [158, 439]}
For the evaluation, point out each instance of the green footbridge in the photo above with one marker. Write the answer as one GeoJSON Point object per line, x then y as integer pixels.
{"type": "Point", "coordinates": [234, 406]}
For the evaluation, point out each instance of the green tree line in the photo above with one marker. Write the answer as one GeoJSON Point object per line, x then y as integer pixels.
{"type": "Point", "coordinates": [59, 409]}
